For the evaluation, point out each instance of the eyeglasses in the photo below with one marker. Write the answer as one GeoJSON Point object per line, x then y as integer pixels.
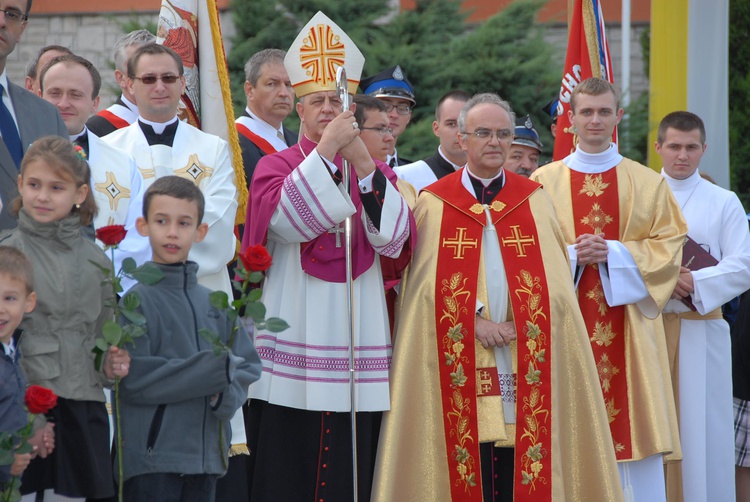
{"type": "Point", "coordinates": [502, 134]}
{"type": "Point", "coordinates": [14, 17]}
{"type": "Point", "coordinates": [402, 109]}
{"type": "Point", "coordinates": [382, 130]}
{"type": "Point", "coordinates": [151, 79]}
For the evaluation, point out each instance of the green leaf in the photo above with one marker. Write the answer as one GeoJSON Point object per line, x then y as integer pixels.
{"type": "Point", "coordinates": [209, 335]}
{"type": "Point", "coordinates": [131, 301]}
{"type": "Point", "coordinates": [256, 277]}
{"type": "Point", "coordinates": [276, 325]}
{"type": "Point", "coordinates": [256, 311]}
{"type": "Point", "coordinates": [148, 273]}
{"type": "Point", "coordinates": [254, 294]}
{"type": "Point", "coordinates": [25, 448]}
{"type": "Point", "coordinates": [232, 315]}
{"type": "Point", "coordinates": [218, 300]}
{"type": "Point", "coordinates": [101, 345]}
{"type": "Point", "coordinates": [135, 317]}
{"type": "Point", "coordinates": [128, 266]}
{"type": "Point", "coordinates": [112, 332]}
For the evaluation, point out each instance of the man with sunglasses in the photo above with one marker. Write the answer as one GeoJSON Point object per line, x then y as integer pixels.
{"type": "Point", "coordinates": [124, 111]}
{"type": "Point", "coordinates": [625, 233]}
{"type": "Point", "coordinates": [163, 145]}
{"type": "Point", "coordinates": [393, 88]}
{"type": "Point", "coordinates": [492, 375]}
{"type": "Point", "coordinates": [24, 117]}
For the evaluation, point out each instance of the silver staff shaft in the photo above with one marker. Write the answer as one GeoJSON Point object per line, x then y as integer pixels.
{"type": "Point", "coordinates": [343, 92]}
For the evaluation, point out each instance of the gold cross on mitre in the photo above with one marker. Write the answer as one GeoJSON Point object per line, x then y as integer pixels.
{"type": "Point", "coordinates": [518, 240]}
{"type": "Point", "coordinates": [319, 49]}
{"type": "Point", "coordinates": [459, 242]}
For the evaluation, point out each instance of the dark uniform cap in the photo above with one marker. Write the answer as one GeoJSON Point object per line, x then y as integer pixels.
{"type": "Point", "coordinates": [390, 83]}
{"type": "Point", "coordinates": [551, 108]}
{"type": "Point", "coordinates": [525, 134]}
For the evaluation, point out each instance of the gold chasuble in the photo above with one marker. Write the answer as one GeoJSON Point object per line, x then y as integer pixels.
{"type": "Point", "coordinates": [445, 393]}
{"type": "Point", "coordinates": [632, 204]}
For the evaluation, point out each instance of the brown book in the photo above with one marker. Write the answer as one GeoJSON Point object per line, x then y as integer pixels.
{"type": "Point", "coordinates": [694, 257]}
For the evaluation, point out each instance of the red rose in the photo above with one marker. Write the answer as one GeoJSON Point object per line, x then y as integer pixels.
{"type": "Point", "coordinates": [111, 235]}
{"type": "Point", "coordinates": [256, 258]}
{"type": "Point", "coordinates": [40, 400]}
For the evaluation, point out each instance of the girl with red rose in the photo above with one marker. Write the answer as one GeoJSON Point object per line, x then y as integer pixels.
{"type": "Point", "coordinates": [54, 204]}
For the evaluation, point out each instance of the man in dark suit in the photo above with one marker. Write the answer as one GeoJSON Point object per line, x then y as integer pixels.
{"type": "Point", "coordinates": [23, 116]}
{"type": "Point", "coordinates": [270, 99]}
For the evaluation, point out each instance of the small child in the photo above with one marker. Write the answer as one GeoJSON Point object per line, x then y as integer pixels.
{"type": "Point", "coordinates": [59, 335]}
{"type": "Point", "coordinates": [176, 404]}
{"type": "Point", "coordinates": [17, 298]}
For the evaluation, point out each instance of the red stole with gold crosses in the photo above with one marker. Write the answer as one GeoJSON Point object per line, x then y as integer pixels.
{"type": "Point", "coordinates": [596, 210]}
{"type": "Point", "coordinates": [459, 258]}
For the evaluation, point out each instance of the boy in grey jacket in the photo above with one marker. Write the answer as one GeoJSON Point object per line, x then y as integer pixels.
{"type": "Point", "coordinates": [179, 392]}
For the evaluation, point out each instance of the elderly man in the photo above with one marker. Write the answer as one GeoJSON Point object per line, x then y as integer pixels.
{"type": "Point", "coordinates": [72, 84]}
{"type": "Point", "coordinates": [393, 88]}
{"type": "Point", "coordinates": [24, 117]}
{"type": "Point", "coordinates": [624, 233]}
{"type": "Point", "coordinates": [449, 156]}
{"type": "Point", "coordinates": [300, 408]}
{"type": "Point", "coordinates": [162, 145]}
{"type": "Point", "coordinates": [124, 111]}
{"type": "Point", "coordinates": [523, 157]}
{"type": "Point", "coordinates": [492, 374]}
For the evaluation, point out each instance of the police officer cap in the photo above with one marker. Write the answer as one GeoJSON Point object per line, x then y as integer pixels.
{"type": "Point", "coordinates": [551, 109]}
{"type": "Point", "coordinates": [389, 83]}
{"type": "Point", "coordinates": [525, 134]}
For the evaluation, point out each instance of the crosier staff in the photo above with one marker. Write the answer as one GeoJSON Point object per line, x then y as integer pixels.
{"type": "Point", "coordinates": [343, 93]}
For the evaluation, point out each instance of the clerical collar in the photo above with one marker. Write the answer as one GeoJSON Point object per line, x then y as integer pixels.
{"type": "Point", "coordinates": [73, 138]}
{"type": "Point", "coordinates": [158, 127]}
{"type": "Point", "coordinates": [129, 104]}
{"type": "Point", "coordinates": [456, 167]}
{"type": "Point", "coordinates": [165, 137]}
{"type": "Point", "coordinates": [485, 190]}
{"type": "Point", "coordinates": [593, 163]}
{"type": "Point", "coordinates": [274, 131]}
{"type": "Point", "coordinates": [686, 184]}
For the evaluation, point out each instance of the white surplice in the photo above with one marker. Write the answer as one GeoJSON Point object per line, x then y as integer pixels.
{"type": "Point", "coordinates": [116, 183]}
{"type": "Point", "coordinates": [203, 159]}
{"type": "Point", "coordinates": [307, 365]}
{"type": "Point", "coordinates": [716, 221]}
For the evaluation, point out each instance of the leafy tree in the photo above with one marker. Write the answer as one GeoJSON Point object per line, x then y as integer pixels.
{"type": "Point", "coordinates": [433, 44]}
{"type": "Point", "coordinates": [506, 55]}
{"type": "Point", "coordinates": [739, 90]}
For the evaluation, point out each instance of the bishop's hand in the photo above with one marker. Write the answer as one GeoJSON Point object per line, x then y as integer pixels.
{"type": "Point", "coordinates": [337, 134]}
{"type": "Point", "coordinates": [494, 334]}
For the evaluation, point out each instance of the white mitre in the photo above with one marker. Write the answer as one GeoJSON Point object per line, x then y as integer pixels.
{"type": "Point", "coordinates": [317, 52]}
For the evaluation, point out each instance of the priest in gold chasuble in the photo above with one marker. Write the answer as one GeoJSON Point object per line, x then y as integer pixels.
{"type": "Point", "coordinates": [624, 232]}
{"type": "Point", "coordinates": [494, 393]}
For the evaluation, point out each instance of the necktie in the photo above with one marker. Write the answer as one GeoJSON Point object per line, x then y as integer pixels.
{"type": "Point", "coordinates": [392, 163]}
{"type": "Point", "coordinates": [9, 131]}
{"type": "Point", "coordinates": [281, 137]}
